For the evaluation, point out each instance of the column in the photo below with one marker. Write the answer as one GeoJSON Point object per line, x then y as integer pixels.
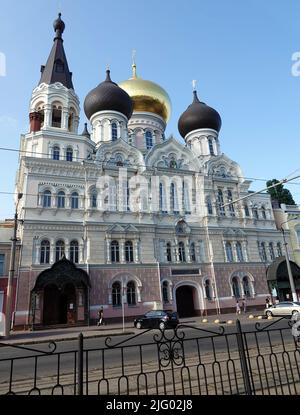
{"type": "Point", "coordinates": [234, 253]}
{"type": "Point", "coordinates": [47, 115]}
{"type": "Point", "coordinates": [64, 152]}
{"type": "Point", "coordinates": [76, 153]}
{"type": "Point", "coordinates": [175, 253]}
{"type": "Point", "coordinates": [122, 251]}
{"type": "Point", "coordinates": [76, 124]}
{"type": "Point", "coordinates": [50, 146]}
{"type": "Point", "coordinates": [245, 252]}
{"type": "Point", "coordinates": [67, 250]}
{"type": "Point", "coordinates": [225, 253]}
{"type": "Point", "coordinates": [136, 251]}
{"type": "Point", "coordinates": [81, 253]}
{"type": "Point", "coordinates": [65, 118]}
{"type": "Point", "coordinates": [52, 252]}
{"type": "Point", "coordinates": [108, 260]}
{"type": "Point", "coordinates": [37, 253]}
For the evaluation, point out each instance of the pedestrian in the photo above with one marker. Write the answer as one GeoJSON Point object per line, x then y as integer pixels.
{"type": "Point", "coordinates": [244, 305]}
{"type": "Point", "coordinates": [238, 308]}
{"type": "Point", "coordinates": [267, 302]}
{"type": "Point", "coordinates": [100, 316]}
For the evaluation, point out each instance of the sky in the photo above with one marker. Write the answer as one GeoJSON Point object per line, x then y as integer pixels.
{"type": "Point", "coordinates": [240, 53]}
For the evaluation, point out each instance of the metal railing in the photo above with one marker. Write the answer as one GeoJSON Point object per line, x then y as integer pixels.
{"type": "Point", "coordinates": [188, 360]}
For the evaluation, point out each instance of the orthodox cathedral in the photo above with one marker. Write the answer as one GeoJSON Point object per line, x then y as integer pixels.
{"type": "Point", "coordinates": [122, 217]}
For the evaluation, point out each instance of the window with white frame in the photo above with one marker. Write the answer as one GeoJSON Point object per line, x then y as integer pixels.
{"type": "Point", "coordinates": [93, 199]}
{"type": "Point", "coordinates": [169, 252]}
{"type": "Point", "coordinates": [173, 198]}
{"type": "Point", "coordinates": [55, 153]}
{"type": "Point", "coordinates": [209, 205]}
{"type": "Point", "coordinates": [279, 250]}
{"type": "Point", "coordinates": [221, 203]}
{"type": "Point", "coordinates": [59, 250]}
{"type": "Point", "coordinates": [2, 264]}
{"type": "Point", "coordinates": [47, 199]}
{"type": "Point", "coordinates": [246, 210]}
{"type": "Point", "coordinates": [56, 116]}
{"type": "Point", "coordinates": [74, 251]}
{"type": "Point", "coordinates": [128, 251]}
{"type": "Point", "coordinates": [255, 212]}
{"type": "Point", "coordinates": [235, 287]}
{"type": "Point", "coordinates": [271, 251]}
{"type": "Point", "coordinates": [114, 131]}
{"type": "Point", "coordinates": [69, 154]}
{"type": "Point", "coordinates": [114, 251]}
{"type": "Point", "coordinates": [181, 252]}
{"type": "Point", "coordinates": [149, 140]}
{"type": "Point", "coordinates": [74, 200]}
{"type": "Point", "coordinates": [116, 294]}
{"type": "Point", "coordinates": [165, 292]}
{"type": "Point", "coordinates": [131, 293]}
{"type": "Point", "coordinates": [239, 252]}
{"type": "Point", "coordinates": [162, 198]}
{"type": "Point", "coordinates": [61, 199]}
{"type": "Point", "coordinates": [193, 252]}
{"type": "Point", "coordinates": [230, 207]}
{"type": "Point", "coordinates": [211, 147]}
{"type": "Point", "coordinates": [45, 252]}
{"type": "Point", "coordinates": [229, 253]}
{"type": "Point", "coordinates": [263, 212]}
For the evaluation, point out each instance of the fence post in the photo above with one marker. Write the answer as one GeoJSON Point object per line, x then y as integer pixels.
{"type": "Point", "coordinates": [243, 358]}
{"type": "Point", "coordinates": [80, 365]}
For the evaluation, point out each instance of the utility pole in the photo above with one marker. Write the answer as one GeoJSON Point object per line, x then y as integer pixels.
{"type": "Point", "coordinates": [287, 260]}
{"type": "Point", "coordinates": [9, 290]}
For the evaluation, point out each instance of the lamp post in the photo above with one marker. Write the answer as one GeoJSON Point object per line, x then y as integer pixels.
{"type": "Point", "coordinates": [287, 259]}
{"type": "Point", "coordinates": [9, 290]}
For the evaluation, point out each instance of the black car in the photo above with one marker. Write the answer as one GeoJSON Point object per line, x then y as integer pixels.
{"type": "Point", "coordinates": [157, 319]}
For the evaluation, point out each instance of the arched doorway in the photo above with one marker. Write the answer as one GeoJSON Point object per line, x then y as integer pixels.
{"type": "Point", "coordinates": [185, 300]}
{"type": "Point", "coordinates": [60, 295]}
{"type": "Point", "coordinates": [278, 279]}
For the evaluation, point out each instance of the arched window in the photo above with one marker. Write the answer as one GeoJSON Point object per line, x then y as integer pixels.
{"type": "Point", "coordinates": [211, 147]}
{"type": "Point", "coordinates": [209, 205]}
{"type": "Point", "coordinates": [74, 252]}
{"type": "Point", "coordinates": [114, 251]}
{"type": "Point", "coordinates": [169, 252]}
{"type": "Point", "coordinates": [131, 300]}
{"type": "Point", "coordinates": [231, 207]}
{"type": "Point", "coordinates": [239, 252]}
{"type": "Point", "coordinates": [56, 116]}
{"type": "Point", "coordinates": [246, 210]}
{"type": "Point", "coordinates": [59, 250]}
{"type": "Point", "coordinates": [221, 203]}
{"type": "Point", "coordinates": [74, 200]}
{"type": "Point", "coordinates": [61, 199]}
{"type": "Point", "coordinates": [45, 252]}
{"type": "Point", "coordinates": [263, 212]}
{"type": "Point", "coordinates": [298, 237]}
{"type": "Point", "coordinates": [94, 199]}
{"type": "Point", "coordinates": [193, 252]}
{"type": "Point", "coordinates": [181, 252]}
{"type": "Point", "coordinates": [162, 198]}
{"type": "Point", "coordinates": [271, 251]}
{"type": "Point", "coordinates": [47, 199]}
{"type": "Point", "coordinates": [114, 131]}
{"type": "Point", "coordinates": [41, 110]}
{"type": "Point", "coordinates": [235, 287]}
{"type": "Point", "coordinates": [69, 154]}
{"type": "Point", "coordinates": [229, 253]}
{"type": "Point", "coordinates": [263, 253]}
{"type": "Point", "coordinates": [208, 289]}
{"type": "Point", "coordinates": [55, 153]}
{"type": "Point", "coordinates": [279, 250]}
{"type": "Point", "coordinates": [255, 212]}
{"type": "Point", "coordinates": [246, 286]}
{"type": "Point", "coordinates": [128, 251]}
{"type": "Point", "coordinates": [149, 140]}
{"type": "Point", "coordinates": [173, 198]}
{"type": "Point", "coordinates": [186, 198]}
{"type": "Point", "coordinates": [165, 292]}
{"type": "Point", "coordinates": [116, 294]}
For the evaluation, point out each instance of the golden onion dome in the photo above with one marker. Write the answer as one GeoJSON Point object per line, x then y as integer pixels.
{"type": "Point", "coordinates": [147, 96]}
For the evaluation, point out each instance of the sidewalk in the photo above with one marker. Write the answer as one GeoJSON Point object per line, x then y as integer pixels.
{"type": "Point", "coordinates": [114, 329]}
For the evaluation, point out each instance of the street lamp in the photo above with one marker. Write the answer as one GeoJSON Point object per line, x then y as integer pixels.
{"type": "Point", "coordinates": [11, 273]}
{"type": "Point", "coordinates": [287, 259]}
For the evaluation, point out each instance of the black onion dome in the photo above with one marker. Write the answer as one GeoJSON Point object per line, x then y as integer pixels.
{"type": "Point", "coordinates": [198, 115]}
{"type": "Point", "coordinates": [108, 96]}
{"type": "Point", "coordinates": [59, 26]}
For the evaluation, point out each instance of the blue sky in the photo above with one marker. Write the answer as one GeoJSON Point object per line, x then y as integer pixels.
{"type": "Point", "coordinates": [240, 53]}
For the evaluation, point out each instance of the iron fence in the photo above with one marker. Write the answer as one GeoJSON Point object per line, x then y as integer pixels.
{"type": "Point", "coordinates": [189, 360]}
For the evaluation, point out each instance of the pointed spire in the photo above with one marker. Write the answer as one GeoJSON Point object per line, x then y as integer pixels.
{"type": "Point", "coordinates": [85, 131]}
{"type": "Point", "coordinates": [134, 75]}
{"type": "Point", "coordinates": [56, 68]}
{"type": "Point", "coordinates": [194, 82]}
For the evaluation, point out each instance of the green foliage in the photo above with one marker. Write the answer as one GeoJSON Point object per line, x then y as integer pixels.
{"type": "Point", "coordinates": [279, 193]}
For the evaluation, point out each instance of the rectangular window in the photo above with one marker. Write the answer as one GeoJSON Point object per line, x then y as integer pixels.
{"type": "Point", "coordinates": [2, 263]}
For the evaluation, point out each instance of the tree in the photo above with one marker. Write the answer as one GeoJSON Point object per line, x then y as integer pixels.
{"type": "Point", "coordinates": [279, 194]}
